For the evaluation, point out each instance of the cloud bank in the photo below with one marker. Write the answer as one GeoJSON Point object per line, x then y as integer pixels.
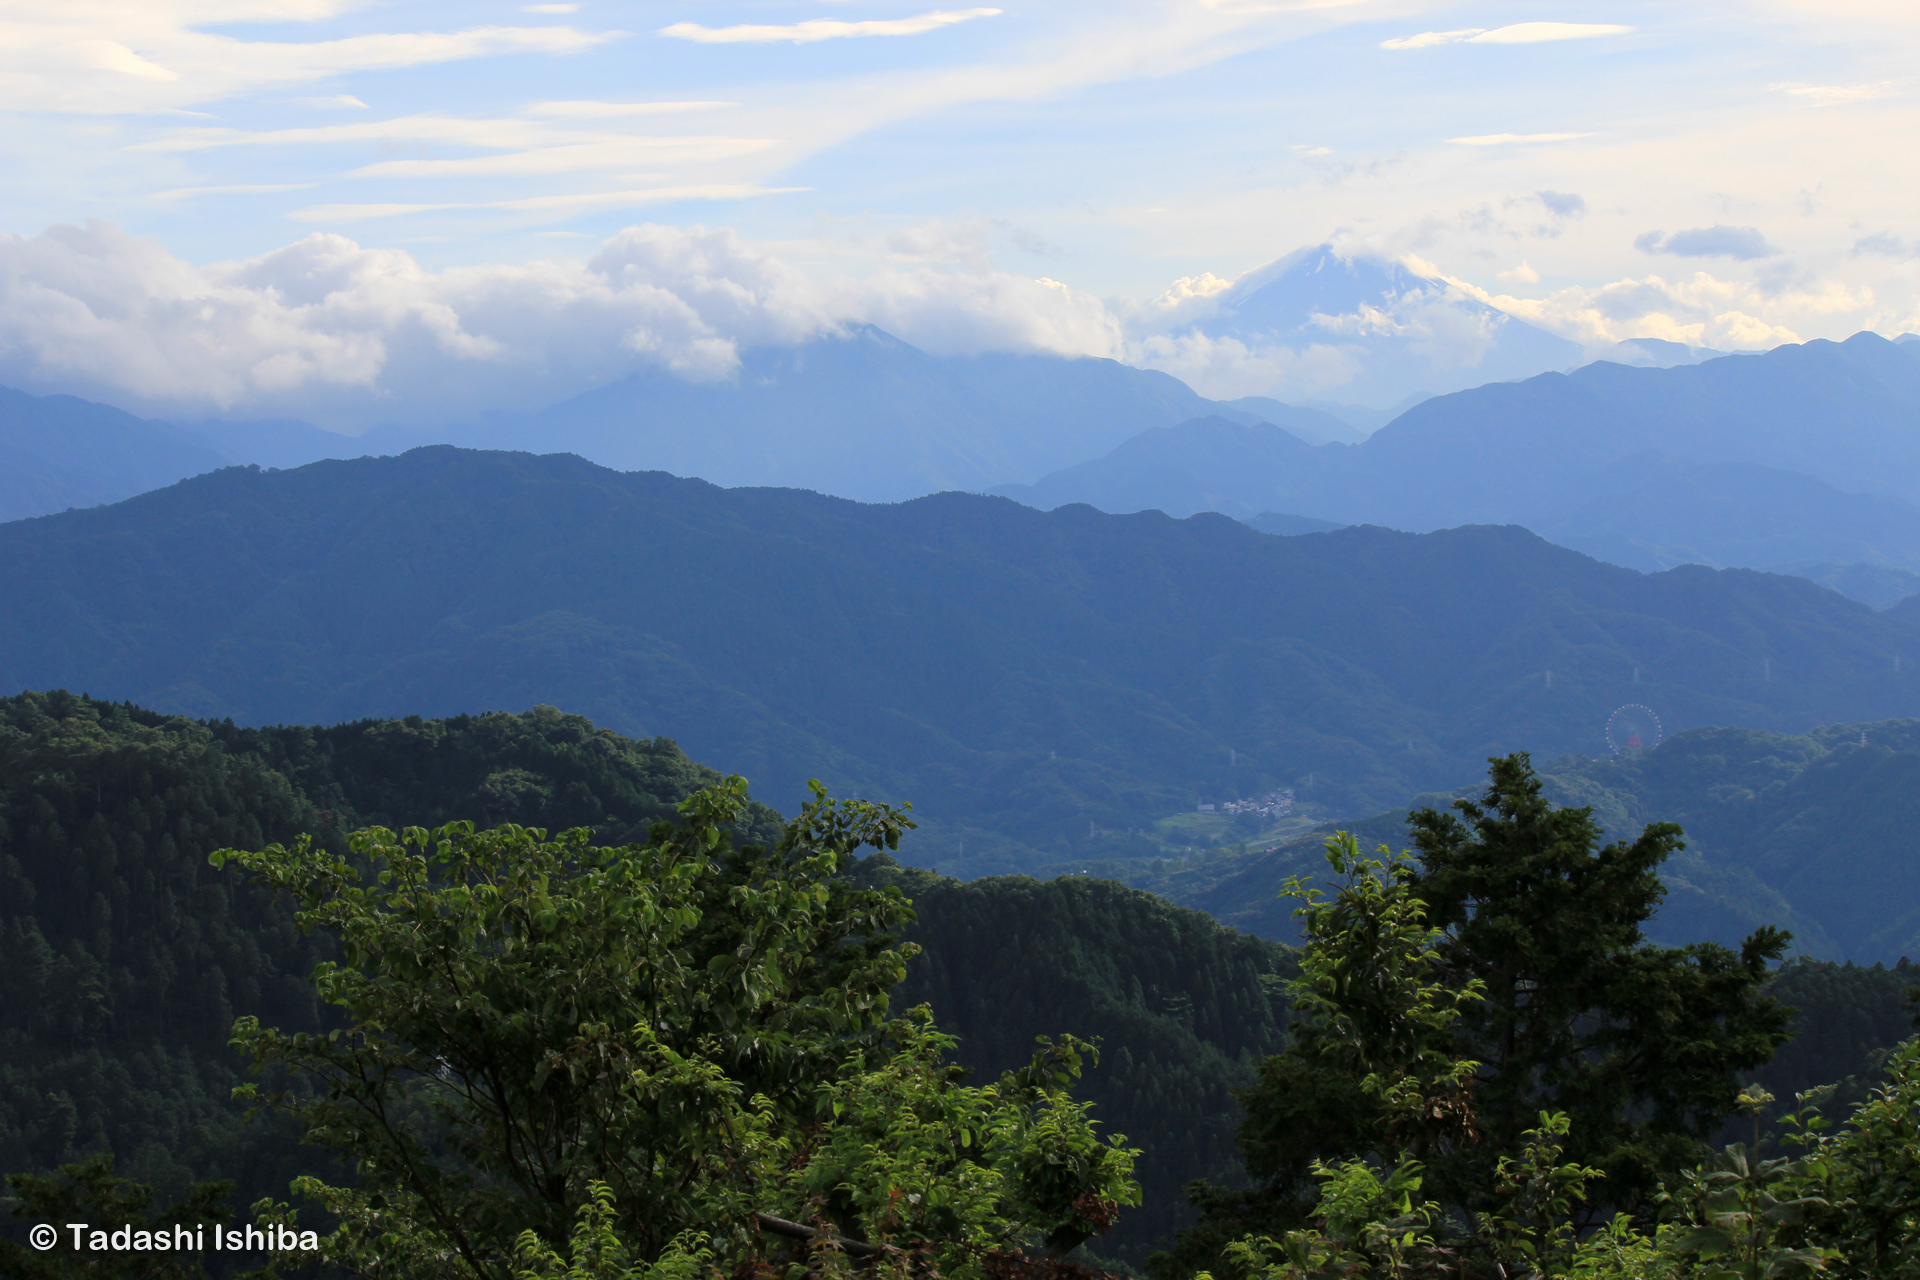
{"type": "Point", "coordinates": [350, 337]}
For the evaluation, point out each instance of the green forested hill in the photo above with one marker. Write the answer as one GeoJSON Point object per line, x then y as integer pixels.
{"type": "Point", "coordinates": [1038, 684]}
{"type": "Point", "coordinates": [1186, 1009]}
{"type": "Point", "coordinates": [128, 957]}
{"type": "Point", "coordinates": [1818, 833]}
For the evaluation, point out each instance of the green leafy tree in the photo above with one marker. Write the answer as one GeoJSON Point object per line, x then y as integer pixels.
{"type": "Point", "coordinates": [1448, 1007]}
{"type": "Point", "coordinates": [88, 1191]}
{"type": "Point", "coordinates": [1531, 1229]}
{"type": "Point", "coordinates": [1867, 1177]}
{"type": "Point", "coordinates": [1370, 1078]}
{"type": "Point", "coordinates": [679, 1037]}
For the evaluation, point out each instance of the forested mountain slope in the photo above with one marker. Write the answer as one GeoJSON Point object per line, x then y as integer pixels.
{"type": "Point", "coordinates": [1184, 1007]}
{"type": "Point", "coordinates": [1036, 683]}
{"type": "Point", "coordinates": [129, 957]}
{"type": "Point", "coordinates": [1818, 833]}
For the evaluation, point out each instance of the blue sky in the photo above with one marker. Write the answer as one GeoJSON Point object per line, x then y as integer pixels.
{"type": "Point", "coordinates": [341, 210]}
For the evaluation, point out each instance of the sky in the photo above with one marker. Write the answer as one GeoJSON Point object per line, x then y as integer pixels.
{"type": "Point", "coordinates": [363, 212]}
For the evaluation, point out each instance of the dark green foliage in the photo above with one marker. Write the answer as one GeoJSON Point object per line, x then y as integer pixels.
{"type": "Point", "coordinates": [1847, 1019]}
{"type": "Point", "coordinates": [128, 958]}
{"type": "Point", "coordinates": [519, 1015]}
{"type": "Point", "coordinates": [1638, 1045]}
{"type": "Point", "coordinates": [87, 1191]}
{"type": "Point", "coordinates": [537, 769]}
{"type": "Point", "coordinates": [1816, 833]}
{"type": "Point", "coordinates": [1185, 1009]}
{"type": "Point", "coordinates": [1819, 833]}
{"type": "Point", "coordinates": [1036, 683]}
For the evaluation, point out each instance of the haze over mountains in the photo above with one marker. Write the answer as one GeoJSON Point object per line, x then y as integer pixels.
{"type": "Point", "coordinates": [1806, 457]}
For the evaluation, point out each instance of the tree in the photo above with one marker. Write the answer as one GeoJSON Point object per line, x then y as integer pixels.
{"type": "Point", "coordinates": [1369, 1086]}
{"type": "Point", "coordinates": [1504, 984]}
{"type": "Point", "coordinates": [88, 1192]}
{"type": "Point", "coordinates": [1640, 1046]}
{"type": "Point", "coordinates": [684, 1031]}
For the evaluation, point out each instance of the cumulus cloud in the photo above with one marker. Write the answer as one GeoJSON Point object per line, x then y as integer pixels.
{"type": "Point", "coordinates": [1700, 310]}
{"type": "Point", "coordinates": [1719, 241]}
{"type": "Point", "coordinates": [1228, 368]}
{"type": "Point", "coordinates": [824, 28]}
{"type": "Point", "coordinates": [347, 336]}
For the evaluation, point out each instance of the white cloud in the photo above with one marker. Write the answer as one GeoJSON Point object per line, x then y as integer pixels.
{"type": "Point", "coordinates": [248, 189]}
{"type": "Point", "coordinates": [1541, 32]}
{"type": "Point", "coordinates": [1504, 139]}
{"type": "Point", "coordinates": [1721, 241]}
{"type": "Point", "coordinates": [1427, 39]}
{"type": "Point", "coordinates": [1522, 274]}
{"type": "Point", "coordinates": [337, 102]}
{"type": "Point", "coordinates": [52, 58]}
{"type": "Point", "coordinates": [1518, 33]}
{"type": "Point", "coordinates": [817, 29]}
{"type": "Point", "coordinates": [347, 336]}
{"type": "Point", "coordinates": [1831, 95]}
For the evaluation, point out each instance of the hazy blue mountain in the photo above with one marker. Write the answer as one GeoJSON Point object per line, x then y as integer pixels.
{"type": "Point", "coordinates": [58, 452]}
{"type": "Point", "coordinates": [1804, 454]}
{"type": "Point", "coordinates": [1038, 684]}
{"type": "Point", "coordinates": [1653, 511]}
{"type": "Point", "coordinates": [1285, 526]}
{"type": "Point", "coordinates": [1208, 464]}
{"type": "Point", "coordinates": [1843, 413]}
{"type": "Point", "coordinates": [1313, 425]}
{"type": "Point", "coordinates": [1905, 611]}
{"type": "Point", "coordinates": [273, 442]}
{"type": "Point", "coordinates": [1363, 420]}
{"type": "Point", "coordinates": [1658, 353]}
{"type": "Point", "coordinates": [1397, 333]}
{"type": "Point", "coordinates": [1874, 585]}
{"type": "Point", "coordinates": [862, 415]}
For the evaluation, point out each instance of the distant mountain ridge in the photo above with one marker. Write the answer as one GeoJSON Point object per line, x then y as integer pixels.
{"type": "Point", "coordinates": [860, 415]}
{"type": "Point", "coordinates": [1038, 684]}
{"type": "Point", "coordinates": [61, 451]}
{"type": "Point", "coordinates": [1806, 453]}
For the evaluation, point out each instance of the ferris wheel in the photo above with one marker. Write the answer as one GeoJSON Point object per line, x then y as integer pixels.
{"type": "Point", "coordinates": [1633, 729]}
